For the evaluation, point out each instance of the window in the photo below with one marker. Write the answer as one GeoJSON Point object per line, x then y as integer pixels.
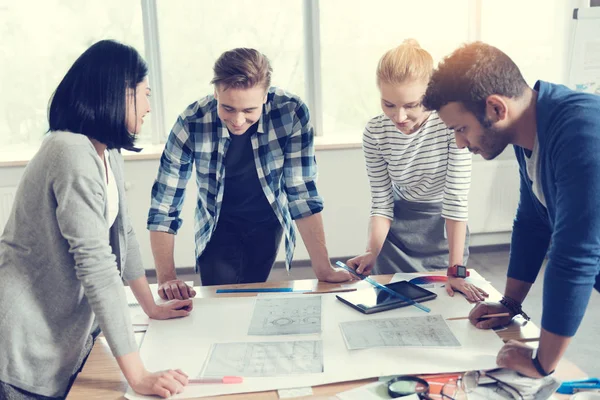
{"type": "Point", "coordinates": [536, 37]}
{"type": "Point", "coordinates": [38, 47]}
{"type": "Point", "coordinates": [353, 39]}
{"type": "Point", "coordinates": [193, 34]}
{"type": "Point", "coordinates": [325, 51]}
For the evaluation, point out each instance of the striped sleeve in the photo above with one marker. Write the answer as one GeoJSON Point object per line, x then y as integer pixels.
{"type": "Point", "coordinates": [382, 198]}
{"type": "Point", "coordinates": [458, 181]}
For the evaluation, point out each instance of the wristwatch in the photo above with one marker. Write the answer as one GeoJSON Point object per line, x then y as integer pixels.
{"type": "Point", "coordinates": [458, 271]}
{"type": "Point", "coordinates": [538, 366]}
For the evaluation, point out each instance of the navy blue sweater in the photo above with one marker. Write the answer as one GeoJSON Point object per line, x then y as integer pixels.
{"type": "Point", "coordinates": [568, 132]}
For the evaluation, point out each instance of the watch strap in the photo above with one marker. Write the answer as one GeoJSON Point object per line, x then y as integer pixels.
{"type": "Point", "coordinates": [453, 271]}
{"type": "Point", "coordinates": [538, 366]}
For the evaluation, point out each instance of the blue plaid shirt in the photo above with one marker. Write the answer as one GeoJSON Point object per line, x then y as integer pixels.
{"type": "Point", "coordinates": [283, 152]}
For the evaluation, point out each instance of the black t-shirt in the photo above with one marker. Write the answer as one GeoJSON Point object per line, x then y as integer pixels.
{"type": "Point", "coordinates": [243, 196]}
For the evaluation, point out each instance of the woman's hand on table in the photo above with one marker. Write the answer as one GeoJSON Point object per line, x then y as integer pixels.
{"type": "Point", "coordinates": [470, 291]}
{"type": "Point", "coordinates": [172, 309]}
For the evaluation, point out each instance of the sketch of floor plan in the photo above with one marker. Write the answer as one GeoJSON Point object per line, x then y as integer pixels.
{"type": "Point", "coordinates": [286, 316]}
{"type": "Point", "coordinates": [426, 331]}
{"type": "Point", "coordinates": [264, 359]}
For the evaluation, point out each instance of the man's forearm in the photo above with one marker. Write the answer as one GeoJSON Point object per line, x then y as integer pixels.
{"type": "Point", "coordinates": [551, 349]}
{"type": "Point", "coordinates": [456, 232]}
{"type": "Point", "coordinates": [313, 236]}
{"type": "Point", "coordinates": [516, 289]}
{"type": "Point", "coordinates": [163, 244]}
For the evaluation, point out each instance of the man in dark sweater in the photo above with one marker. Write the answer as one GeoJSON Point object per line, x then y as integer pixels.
{"type": "Point", "coordinates": [481, 94]}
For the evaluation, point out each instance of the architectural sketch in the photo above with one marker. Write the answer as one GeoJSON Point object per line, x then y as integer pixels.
{"type": "Point", "coordinates": [425, 331]}
{"type": "Point", "coordinates": [264, 359]}
{"type": "Point", "coordinates": [286, 316]}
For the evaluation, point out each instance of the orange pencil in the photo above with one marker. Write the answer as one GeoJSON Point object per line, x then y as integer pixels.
{"type": "Point", "coordinates": [487, 316]}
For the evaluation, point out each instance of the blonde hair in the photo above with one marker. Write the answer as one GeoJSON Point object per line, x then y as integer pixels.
{"type": "Point", "coordinates": [407, 62]}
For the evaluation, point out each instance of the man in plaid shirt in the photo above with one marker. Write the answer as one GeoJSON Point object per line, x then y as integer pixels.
{"type": "Point", "coordinates": [253, 148]}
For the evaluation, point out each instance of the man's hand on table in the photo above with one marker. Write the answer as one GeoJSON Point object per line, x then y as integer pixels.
{"type": "Point", "coordinates": [333, 274]}
{"type": "Point", "coordinates": [175, 289]}
{"type": "Point", "coordinates": [518, 357]}
{"type": "Point", "coordinates": [485, 308]}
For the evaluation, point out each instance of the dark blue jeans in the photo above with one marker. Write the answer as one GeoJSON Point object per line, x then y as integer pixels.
{"type": "Point", "coordinates": [240, 252]}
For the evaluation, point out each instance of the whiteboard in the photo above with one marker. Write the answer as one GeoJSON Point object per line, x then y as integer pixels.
{"type": "Point", "coordinates": [584, 60]}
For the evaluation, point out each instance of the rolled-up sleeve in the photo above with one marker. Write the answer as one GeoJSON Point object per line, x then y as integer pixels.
{"type": "Point", "coordinates": [168, 191]}
{"type": "Point", "coordinates": [300, 167]}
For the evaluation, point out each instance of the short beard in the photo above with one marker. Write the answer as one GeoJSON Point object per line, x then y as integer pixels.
{"type": "Point", "coordinates": [493, 141]}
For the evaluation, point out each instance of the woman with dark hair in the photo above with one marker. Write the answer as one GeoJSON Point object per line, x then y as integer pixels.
{"type": "Point", "coordinates": [68, 242]}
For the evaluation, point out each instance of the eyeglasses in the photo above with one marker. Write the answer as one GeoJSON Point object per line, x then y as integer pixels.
{"type": "Point", "coordinates": [407, 385]}
{"type": "Point", "coordinates": [470, 380]}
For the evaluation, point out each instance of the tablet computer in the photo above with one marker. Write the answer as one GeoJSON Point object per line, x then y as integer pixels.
{"type": "Point", "coordinates": [374, 300]}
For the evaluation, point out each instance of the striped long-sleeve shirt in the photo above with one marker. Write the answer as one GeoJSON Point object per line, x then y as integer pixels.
{"type": "Point", "coordinates": [425, 166]}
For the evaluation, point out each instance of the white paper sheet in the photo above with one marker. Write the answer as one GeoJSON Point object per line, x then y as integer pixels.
{"type": "Point", "coordinates": [264, 359]}
{"type": "Point", "coordinates": [422, 331]}
{"type": "Point", "coordinates": [286, 315]}
{"type": "Point", "coordinates": [185, 343]}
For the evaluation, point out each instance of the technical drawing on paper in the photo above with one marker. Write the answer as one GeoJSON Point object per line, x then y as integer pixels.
{"type": "Point", "coordinates": [426, 331]}
{"type": "Point", "coordinates": [286, 316]}
{"type": "Point", "coordinates": [265, 358]}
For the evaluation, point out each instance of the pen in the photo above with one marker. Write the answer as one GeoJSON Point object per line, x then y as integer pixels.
{"type": "Point", "coordinates": [332, 291]}
{"type": "Point", "coordinates": [223, 379]}
{"type": "Point", "coordinates": [487, 316]}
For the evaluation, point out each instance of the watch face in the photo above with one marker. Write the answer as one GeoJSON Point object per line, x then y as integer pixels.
{"type": "Point", "coordinates": [461, 271]}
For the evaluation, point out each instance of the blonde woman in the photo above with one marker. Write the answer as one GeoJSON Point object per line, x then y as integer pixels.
{"type": "Point", "coordinates": [419, 179]}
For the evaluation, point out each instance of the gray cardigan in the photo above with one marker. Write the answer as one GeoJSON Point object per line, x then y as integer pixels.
{"type": "Point", "coordinates": [61, 267]}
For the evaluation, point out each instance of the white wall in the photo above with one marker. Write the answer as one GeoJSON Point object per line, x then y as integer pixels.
{"type": "Point", "coordinates": [343, 184]}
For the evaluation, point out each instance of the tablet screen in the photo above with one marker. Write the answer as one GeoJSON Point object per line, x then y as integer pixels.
{"type": "Point", "coordinates": [376, 299]}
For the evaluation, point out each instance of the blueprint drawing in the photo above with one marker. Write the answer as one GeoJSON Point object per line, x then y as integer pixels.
{"type": "Point", "coordinates": [286, 316]}
{"type": "Point", "coordinates": [264, 359]}
{"type": "Point", "coordinates": [425, 331]}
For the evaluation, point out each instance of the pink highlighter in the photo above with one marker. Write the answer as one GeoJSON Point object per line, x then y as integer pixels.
{"type": "Point", "coordinates": [224, 379]}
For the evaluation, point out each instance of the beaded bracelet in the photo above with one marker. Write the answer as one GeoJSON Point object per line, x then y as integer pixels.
{"type": "Point", "coordinates": [514, 307]}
